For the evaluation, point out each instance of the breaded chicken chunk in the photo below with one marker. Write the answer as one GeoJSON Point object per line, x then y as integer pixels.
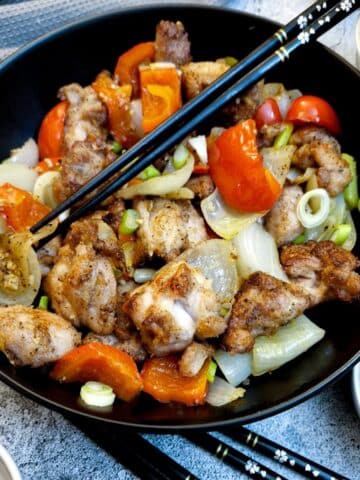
{"type": "Point", "coordinates": [168, 227]}
{"type": "Point", "coordinates": [35, 337]}
{"type": "Point", "coordinates": [176, 305]}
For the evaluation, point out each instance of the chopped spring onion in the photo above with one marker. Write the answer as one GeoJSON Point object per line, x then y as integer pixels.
{"type": "Point", "coordinates": [284, 136]}
{"type": "Point", "coordinates": [44, 302]}
{"type": "Point", "coordinates": [200, 146]}
{"type": "Point", "coordinates": [307, 218]}
{"type": "Point", "coordinates": [341, 233]}
{"type": "Point", "coordinates": [129, 222]}
{"type": "Point", "coordinates": [142, 275]}
{"type": "Point", "coordinates": [231, 61]}
{"type": "Point", "coordinates": [223, 312]}
{"type": "Point", "coordinates": [116, 147]}
{"type": "Point", "coordinates": [351, 193]}
{"type": "Point", "coordinates": [221, 392]}
{"type": "Point", "coordinates": [299, 239]}
{"type": "Point", "coordinates": [97, 394]}
{"type": "Point", "coordinates": [236, 368]}
{"type": "Point", "coordinates": [181, 156]}
{"type": "Point", "coordinates": [149, 172]}
{"type": "Point", "coordinates": [211, 371]}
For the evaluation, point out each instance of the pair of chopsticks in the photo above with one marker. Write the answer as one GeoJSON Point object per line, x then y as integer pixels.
{"type": "Point", "coordinates": [150, 463]}
{"type": "Point", "coordinates": [306, 27]}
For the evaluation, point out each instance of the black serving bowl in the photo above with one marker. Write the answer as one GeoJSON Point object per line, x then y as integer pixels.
{"type": "Point", "coordinates": [29, 81]}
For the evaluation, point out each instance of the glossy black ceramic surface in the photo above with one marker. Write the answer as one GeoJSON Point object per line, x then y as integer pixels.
{"type": "Point", "coordinates": [29, 81]}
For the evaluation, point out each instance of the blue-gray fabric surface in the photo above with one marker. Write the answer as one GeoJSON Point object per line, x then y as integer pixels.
{"type": "Point", "coordinates": [44, 444]}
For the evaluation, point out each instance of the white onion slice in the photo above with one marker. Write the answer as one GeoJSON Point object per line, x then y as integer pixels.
{"type": "Point", "coordinates": [235, 368]}
{"type": "Point", "coordinates": [44, 189]}
{"type": "Point", "coordinates": [26, 278]}
{"type": "Point", "coordinates": [137, 117]}
{"type": "Point", "coordinates": [18, 175]}
{"type": "Point", "coordinates": [288, 342]}
{"type": "Point", "coordinates": [216, 261]}
{"type": "Point", "coordinates": [143, 275]}
{"type": "Point", "coordinates": [27, 155]}
{"type": "Point", "coordinates": [307, 218]}
{"type": "Point", "coordinates": [221, 393]}
{"type": "Point", "coordinates": [257, 252]}
{"type": "Point", "coordinates": [200, 146]}
{"type": "Point", "coordinates": [162, 185]}
{"type": "Point", "coordinates": [224, 220]}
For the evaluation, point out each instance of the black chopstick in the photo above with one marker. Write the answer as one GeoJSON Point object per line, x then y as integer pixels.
{"type": "Point", "coordinates": [298, 26]}
{"type": "Point", "coordinates": [282, 455]}
{"type": "Point", "coordinates": [232, 457]}
{"type": "Point", "coordinates": [133, 451]}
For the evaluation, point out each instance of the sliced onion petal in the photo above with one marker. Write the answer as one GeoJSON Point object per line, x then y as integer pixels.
{"type": "Point", "coordinates": [297, 177]}
{"type": "Point", "coordinates": [223, 220]}
{"type": "Point", "coordinates": [162, 185]}
{"type": "Point", "coordinates": [182, 193]}
{"type": "Point", "coordinates": [235, 368]}
{"type": "Point", "coordinates": [137, 117]}
{"type": "Point", "coordinates": [27, 155]}
{"type": "Point", "coordinates": [215, 259]}
{"type": "Point", "coordinates": [200, 146]}
{"type": "Point", "coordinates": [288, 342]}
{"type": "Point", "coordinates": [257, 252]}
{"type": "Point", "coordinates": [18, 175]}
{"type": "Point", "coordinates": [221, 393]}
{"type": "Point", "coordinates": [22, 285]}
{"type": "Point", "coordinates": [142, 275]}
{"type": "Point", "coordinates": [44, 189]}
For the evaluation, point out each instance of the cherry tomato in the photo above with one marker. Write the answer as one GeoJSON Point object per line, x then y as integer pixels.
{"type": "Point", "coordinates": [237, 170]}
{"type": "Point", "coordinates": [51, 131]}
{"type": "Point", "coordinates": [311, 109]}
{"type": "Point", "coordinates": [267, 113]}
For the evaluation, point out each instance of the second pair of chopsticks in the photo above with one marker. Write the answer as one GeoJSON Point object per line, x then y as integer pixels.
{"type": "Point", "coordinates": [307, 26]}
{"type": "Point", "coordinates": [254, 469]}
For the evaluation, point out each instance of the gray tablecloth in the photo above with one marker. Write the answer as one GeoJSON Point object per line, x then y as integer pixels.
{"type": "Point", "coordinates": [43, 443]}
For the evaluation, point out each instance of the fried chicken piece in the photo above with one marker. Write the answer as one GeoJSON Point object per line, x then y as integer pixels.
{"type": "Point", "coordinates": [34, 337]}
{"type": "Point", "coordinates": [168, 227]}
{"type": "Point", "coordinates": [175, 305]}
{"type": "Point", "coordinates": [132, 346]}
{"type": "Point", "coordinates": [318, 148]}
{"type": "Point", "coordinates": [84, 147]}
{"type": "Point", "coordinates": [244, 107]}
{"type": "Point", "coordinates": [82, 288]}
{"type": "Point", "coordinates": [262, 305]}
{"type": "Point", "coordinates": [47, 255]}
{"type": "Point", "coordinates": [92, 230]}
{"type": "Point", "coordinates": [282, 221]}
{"type": "Point", "coordinates": [194, 357]}
{"type": "Point", "coordinates": [198, 75]}
{"type": "Point", "coordinates": [201, 185]}
{"type": "Point", "coordinates": [325, 270]}
{"type": "Point", "coordinates": [172, 43]}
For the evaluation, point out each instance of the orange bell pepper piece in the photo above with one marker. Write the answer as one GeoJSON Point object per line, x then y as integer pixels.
{"type": "Point", "coordinates": [201, 168]}
{"type": "Point", "coordinates": [163, 381]}
{"type": "Point", "coordinates": [101, 363]}
{"type": "Point", "coordinates": [127, 67]}
{"type": "Point", "coordinates": [117, 100]}
{"type": "Point", "coordinates": [48, 165]}
{"type": "Point", "coordinates": [160, 95]}
{"type": "Point", "coordinates": [51, 131]}
{"type": "Point", "coordinates": [237, 169]}
{"type": "Point", "coordinates": [19, 208]}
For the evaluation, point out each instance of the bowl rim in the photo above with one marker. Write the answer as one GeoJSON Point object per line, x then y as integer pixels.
{"type": "Point", "coordinates": [152, 427]}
